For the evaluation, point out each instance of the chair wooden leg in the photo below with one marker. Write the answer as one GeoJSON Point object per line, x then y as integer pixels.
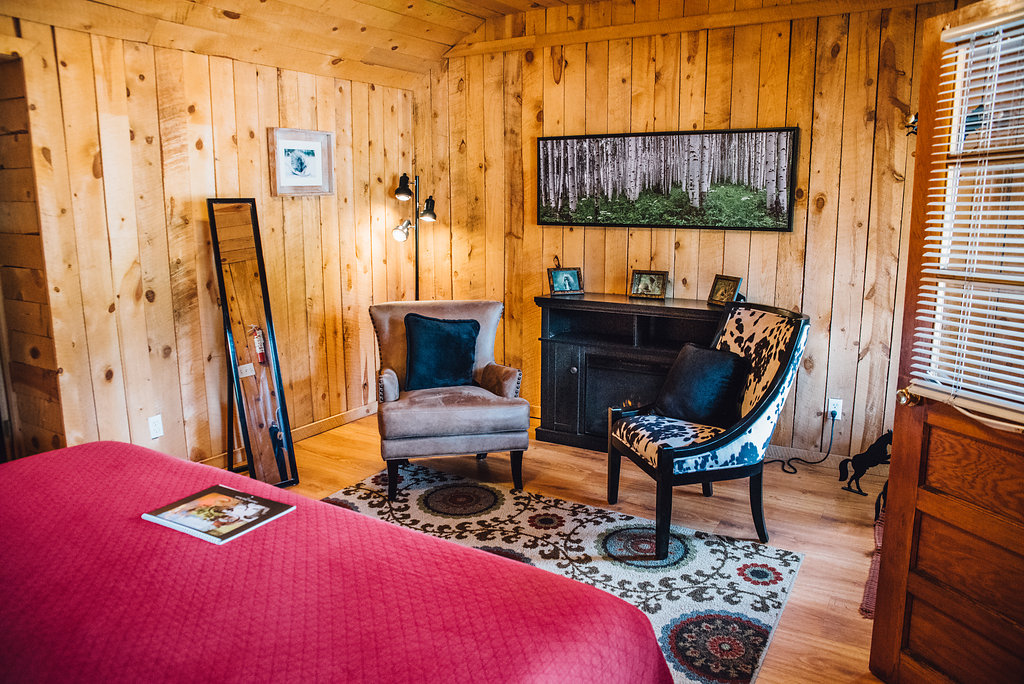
{"type": "Point", "coordinates": [393, 479]}
{"type": "Point", "coordinates": [481, 457]}
{"type": "Point", "coordinates": [707, 488]}
{"type": "Point", "coordinates": [662, 518]}
{"type": "Point", "coordinates": [614, 461]}
{"type": "Point", "coordinates": [757, 506]}
{"type": "Point", "coordinates": [517, 468]}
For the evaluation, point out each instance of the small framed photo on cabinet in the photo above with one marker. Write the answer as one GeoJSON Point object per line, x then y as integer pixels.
{"type": "Point", "coordinates": [724, 290]}
{"type": "Point", "coordinates": [648, 284]}
{"type": "Point", "coordinates": [565, 281]}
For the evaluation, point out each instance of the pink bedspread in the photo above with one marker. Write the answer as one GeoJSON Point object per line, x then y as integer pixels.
{"type": "Point", "coordinates": [93, 593]}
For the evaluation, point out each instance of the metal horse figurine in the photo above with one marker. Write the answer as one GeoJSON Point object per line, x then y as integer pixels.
{"type": "Point", "coordinates": [876, 454]}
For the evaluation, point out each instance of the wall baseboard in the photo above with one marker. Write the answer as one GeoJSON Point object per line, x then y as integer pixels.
{"type": "Point", "coordinates": [326, 424]}
{"type": "Point", "coordinates": [304, 432]}
{"type": "Point", "coordinates": [833, 460]}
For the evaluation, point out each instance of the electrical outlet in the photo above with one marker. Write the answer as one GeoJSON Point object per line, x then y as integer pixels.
{"type": "Point", "coordinates": [835, 406]}
{"type": "Point", "coordinates": [156, 427]}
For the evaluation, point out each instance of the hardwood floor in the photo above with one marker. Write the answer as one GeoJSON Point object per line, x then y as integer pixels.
{"type": "Point", "coordinates": [821, 637]}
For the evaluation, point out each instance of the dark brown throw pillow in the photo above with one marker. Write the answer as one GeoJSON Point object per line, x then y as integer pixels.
{"type": "Point", "coordinates": [704, 386]}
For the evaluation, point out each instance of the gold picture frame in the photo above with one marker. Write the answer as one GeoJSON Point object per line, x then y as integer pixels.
{"type": "Point", "coordinates": [648, 284]}
{"type": "Point", "coordinates": [725, 289]}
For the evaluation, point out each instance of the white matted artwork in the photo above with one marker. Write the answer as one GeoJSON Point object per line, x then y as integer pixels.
{"type": "Point", "coordinates": [301, 162]}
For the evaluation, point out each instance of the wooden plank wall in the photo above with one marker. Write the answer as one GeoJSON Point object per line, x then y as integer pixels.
{"type": "Point", "coordinates": [28, 348]}
{"type": "Point", "coordinates": [844, 80]}
{"type": "Point", "coordinates": [128, 141]}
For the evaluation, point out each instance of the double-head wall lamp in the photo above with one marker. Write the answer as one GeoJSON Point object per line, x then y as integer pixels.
{"type": "Point", "coordinates": [401, 232]}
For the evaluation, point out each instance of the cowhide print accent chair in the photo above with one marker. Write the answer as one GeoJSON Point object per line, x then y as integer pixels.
{"type": "Point", "coordinates": [485, 416]}
{"type": "Point", "coordinates": [676, 452]}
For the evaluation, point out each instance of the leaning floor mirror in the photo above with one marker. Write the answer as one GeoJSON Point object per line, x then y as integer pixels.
{"type": "Point", "coordinates": [252, 347]}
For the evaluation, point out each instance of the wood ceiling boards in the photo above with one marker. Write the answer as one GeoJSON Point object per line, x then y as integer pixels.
{"type": "Point", "coordinates": [389, 42]}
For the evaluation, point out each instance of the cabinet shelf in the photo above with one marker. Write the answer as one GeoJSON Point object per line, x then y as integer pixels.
{"type": "Point", "coordinates": [591, 340]}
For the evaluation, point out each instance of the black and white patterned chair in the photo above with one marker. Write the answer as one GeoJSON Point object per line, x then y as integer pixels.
{"type": "Point", "coordinates": [677, 452]}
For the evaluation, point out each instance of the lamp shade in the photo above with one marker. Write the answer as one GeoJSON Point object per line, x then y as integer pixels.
{"type": "Point", "coordinates": [428, 210]}
{"type": "Point", "coordinates": [401, 231]}
{"type": "Point", "coordinates": [403, 191]}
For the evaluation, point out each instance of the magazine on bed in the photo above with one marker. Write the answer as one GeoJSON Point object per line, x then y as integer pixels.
{"type": "Point", "coordinates": [218, 514]}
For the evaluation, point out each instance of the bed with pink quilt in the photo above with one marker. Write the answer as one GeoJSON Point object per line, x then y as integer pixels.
{"type": "Point", "coordinates": [94, 593]}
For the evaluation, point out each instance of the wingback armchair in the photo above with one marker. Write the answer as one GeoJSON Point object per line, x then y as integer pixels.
{"type": "Point", "coordinates": [485, 416]}
{"type": "Point", "coordinates": [678, 452]}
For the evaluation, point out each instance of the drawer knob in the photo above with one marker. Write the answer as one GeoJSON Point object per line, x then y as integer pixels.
{"type": "Point", "coordinates": [574, 370]}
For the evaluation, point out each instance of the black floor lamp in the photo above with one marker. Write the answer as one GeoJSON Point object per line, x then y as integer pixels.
{"type": "Point", "coordinates": [401, 232]}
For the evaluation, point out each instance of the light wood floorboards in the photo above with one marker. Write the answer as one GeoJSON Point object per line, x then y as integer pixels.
{"type": "Point", "coordinates": [821, 637]}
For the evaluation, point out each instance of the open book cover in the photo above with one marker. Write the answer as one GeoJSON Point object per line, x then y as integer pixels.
{"type": "Point", "coordinates": [218, 514]}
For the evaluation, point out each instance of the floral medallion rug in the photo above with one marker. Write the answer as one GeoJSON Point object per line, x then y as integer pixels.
{"type": "Point", "coordinates": [713, 602]}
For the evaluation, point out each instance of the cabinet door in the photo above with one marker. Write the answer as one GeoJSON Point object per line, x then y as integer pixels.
{"type": "Point", "coordinates": [560, 403]}
{"type": "Point", "coordinates": [617, 381]}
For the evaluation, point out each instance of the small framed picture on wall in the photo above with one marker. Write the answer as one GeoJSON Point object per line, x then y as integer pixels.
{"type": "Point", "coordinates": [648, 284]}
{"type": "Point", "coordinates": [565, 281]}
{"type": "Point", "coordinates": [301, 162]}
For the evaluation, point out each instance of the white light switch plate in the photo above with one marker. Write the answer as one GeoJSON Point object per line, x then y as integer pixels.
{"type": "Point", "coordinates": [246, 370]}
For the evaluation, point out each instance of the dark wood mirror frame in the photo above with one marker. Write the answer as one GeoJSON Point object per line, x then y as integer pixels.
{"type": "Point", "coordinates": [257, 385]}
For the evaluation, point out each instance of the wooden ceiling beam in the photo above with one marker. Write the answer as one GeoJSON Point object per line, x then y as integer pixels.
{"type": "Point", "coordinates": [368, 15]}
{"type": "Point", "coordinates": [805, 10]}
{"type": "Point", "coordinates": [364, 18]}
{"type": "Point", "coordinates": [527, 5]}
{"type": "Point", "coordinates": [81, 15]}
{"type": "Point", "coordinates": [171, 35]}
{"type": "Point", "coordinates": [340, 39]}
{"type": "Point", "coordinates": [463, 15]}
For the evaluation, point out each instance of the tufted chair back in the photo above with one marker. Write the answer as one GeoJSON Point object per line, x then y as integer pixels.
{"type": "Point", "coordinates": [389, 323]}
{"type": "Point", "coordinates": [769, 339]}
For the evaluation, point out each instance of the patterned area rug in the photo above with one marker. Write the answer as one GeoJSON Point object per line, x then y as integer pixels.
{"type": "Point", "coordinates": [713, 602]}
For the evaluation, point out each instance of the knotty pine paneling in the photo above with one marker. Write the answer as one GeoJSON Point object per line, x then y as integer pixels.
{"type": "Point", "coordinates": [844, 80]}
{"type": "Point", "coordinates": [144, 317]}
{"type": "Point", "coordinates": [128, 141]}
{"type": "Point", "coordinates": [26, 337]}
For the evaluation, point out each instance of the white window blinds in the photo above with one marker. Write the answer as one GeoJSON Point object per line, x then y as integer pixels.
{"type": "Point", "coordinates": [968, 347]}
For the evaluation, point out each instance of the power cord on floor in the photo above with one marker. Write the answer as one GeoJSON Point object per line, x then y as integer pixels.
{"type": "Point", "coordinates": [787, 464]}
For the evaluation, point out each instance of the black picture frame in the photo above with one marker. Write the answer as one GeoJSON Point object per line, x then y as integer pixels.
{"type": "Point", "coordinates": [565, 281]}
{"type": "Point", "coordinates": [724, 289]}
{"type": "Point", "coordinates": [648, 284]}
{"type": "Point", "coordinates": [736, 179]}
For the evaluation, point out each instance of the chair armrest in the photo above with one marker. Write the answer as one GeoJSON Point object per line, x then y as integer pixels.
{"type": "Point", "coordinates": [501, 380]}
{"type": "Point", "coordinates": [387, 385]}
{"type": "Point", "coordinates": [619, 412]}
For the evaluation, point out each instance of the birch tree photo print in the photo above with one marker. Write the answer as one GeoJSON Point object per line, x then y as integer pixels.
{"type": "Point", "coordinates": [733, 180]}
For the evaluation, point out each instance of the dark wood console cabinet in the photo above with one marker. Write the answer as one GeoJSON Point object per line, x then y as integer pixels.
{"type": "Point", "coordinates": [601, 350]}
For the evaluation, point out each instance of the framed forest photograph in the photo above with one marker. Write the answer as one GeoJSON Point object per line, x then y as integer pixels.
{"type": "Point", "coordinates": [723, 180]}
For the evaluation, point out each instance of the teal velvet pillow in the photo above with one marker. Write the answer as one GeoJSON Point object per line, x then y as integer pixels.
{"type": "Point", "coordinates": [440, 352]}
{"type": "Point", "coordinates": [704, 386]}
